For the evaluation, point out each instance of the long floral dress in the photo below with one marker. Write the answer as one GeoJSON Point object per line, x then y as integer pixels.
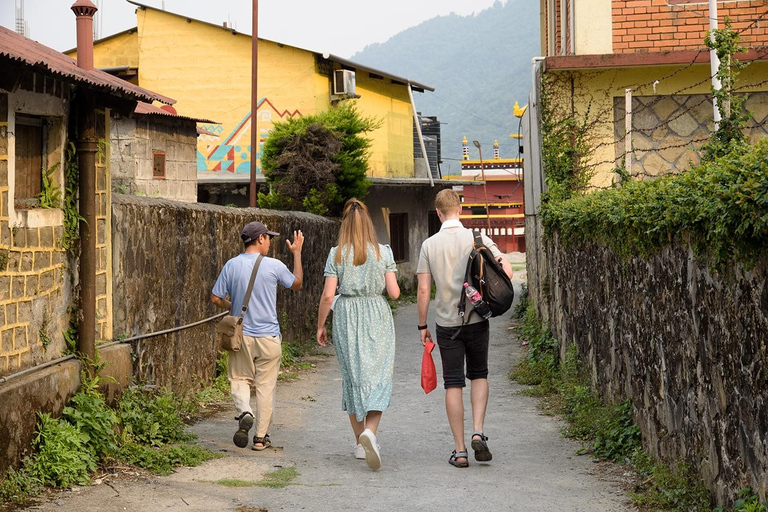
{"type": "Point", "coordinates": [363, 331]}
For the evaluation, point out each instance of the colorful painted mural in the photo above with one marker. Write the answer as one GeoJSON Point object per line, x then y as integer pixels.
{"type": "Point", "coordinates": [217, 152]}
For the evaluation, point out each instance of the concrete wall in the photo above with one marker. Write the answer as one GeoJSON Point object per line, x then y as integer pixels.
{"type": "Point", "coordinates": [592, 27]}
{"type": "Point", "coordinates": [417, 202]}
{"type": "Point", "coordinates": [134, 142]}
{"type": "Point", "coordinates": [687, 346]}
{"type": "Point", "coordinates": [598, 96]}
{"type": "Point", "coordinates": [167, 256]}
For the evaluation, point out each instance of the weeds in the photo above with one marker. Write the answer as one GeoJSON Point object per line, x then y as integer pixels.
{"type": "Point", "coordinates": [150, 417]}
{"type": "Point", "coordinates": [668, 489]}
{"type": "Point", "coordinates": [145, 431]}
{"type": "Point", "coordinates": [607, 431]}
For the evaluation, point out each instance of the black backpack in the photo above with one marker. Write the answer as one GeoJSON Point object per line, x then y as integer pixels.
{"type": "Point", "coordinates": [488, 277]}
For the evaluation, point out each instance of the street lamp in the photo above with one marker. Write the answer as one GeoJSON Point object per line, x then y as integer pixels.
{"type": "Point", "coordinates": [485, 188]}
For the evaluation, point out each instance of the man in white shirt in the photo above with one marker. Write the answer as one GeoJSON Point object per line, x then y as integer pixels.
{"type": "Point", "coordinates": [444, 258]}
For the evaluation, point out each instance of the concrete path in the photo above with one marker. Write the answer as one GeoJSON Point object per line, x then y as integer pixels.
{"type": "Point", "coordinates": [533, 467]}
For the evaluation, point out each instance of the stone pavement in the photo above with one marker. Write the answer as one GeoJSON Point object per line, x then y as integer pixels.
{"type": "Point", "coordinates": [533, 467]}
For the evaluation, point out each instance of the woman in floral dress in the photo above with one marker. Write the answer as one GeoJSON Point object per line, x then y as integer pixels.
{"type": "Point", "coordinates": [363, 329]}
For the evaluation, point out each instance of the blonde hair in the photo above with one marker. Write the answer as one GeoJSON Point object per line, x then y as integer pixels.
{"type": "Point", "coordinates": [356, 233]}
{"type": "Point", "coordinates": [447, 201]}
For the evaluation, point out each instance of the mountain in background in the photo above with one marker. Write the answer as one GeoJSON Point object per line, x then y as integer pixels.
{"type": "Point", "coordinates": [479, 66]}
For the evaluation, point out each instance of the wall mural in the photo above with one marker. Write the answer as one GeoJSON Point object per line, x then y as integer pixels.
{"type": "Point", "coordinates": [217, 152]}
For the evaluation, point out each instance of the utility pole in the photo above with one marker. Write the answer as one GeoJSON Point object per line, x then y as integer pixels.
{"type": "Point", "coordinates": [254, 101]}
{"type": "Point", "coordinates": [485, 187]}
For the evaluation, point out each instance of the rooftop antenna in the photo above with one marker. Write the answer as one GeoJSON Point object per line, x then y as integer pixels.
{"type": "Point", "coordinates": [21, 25]}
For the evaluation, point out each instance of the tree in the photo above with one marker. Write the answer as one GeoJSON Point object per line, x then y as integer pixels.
{"type": "Point", "coordinates": [315, 163]}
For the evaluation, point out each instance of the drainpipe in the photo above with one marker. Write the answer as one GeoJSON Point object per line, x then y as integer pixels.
{"type": "Point", "coordinates": [714, 61]}
{"type": "Point", "coordinates": [86, 151]}
{"type": "Point", "coordinates": [417, 123]}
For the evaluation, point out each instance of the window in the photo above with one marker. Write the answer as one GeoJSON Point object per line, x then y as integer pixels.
{"type": "Point", "coordinates": [31, 159]}
{"type": "Point", "coordinates": [398, 236]}
{"type": "Point", "coordinates": [158, 164]}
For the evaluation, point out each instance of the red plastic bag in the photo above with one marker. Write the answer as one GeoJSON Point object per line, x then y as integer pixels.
{"type": "Point", "coordinates": [428, 372]}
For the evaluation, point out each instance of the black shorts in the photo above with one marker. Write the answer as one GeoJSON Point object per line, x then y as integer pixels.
{"type": "Point", "coordinates": [470, 343]}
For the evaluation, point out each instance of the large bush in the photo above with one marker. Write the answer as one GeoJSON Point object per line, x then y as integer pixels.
{"type": "Point", "coordinates": [315, 163]}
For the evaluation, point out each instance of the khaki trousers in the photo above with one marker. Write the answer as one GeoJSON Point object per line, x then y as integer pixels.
{"type": "Point", "coordinates": [257, 364]}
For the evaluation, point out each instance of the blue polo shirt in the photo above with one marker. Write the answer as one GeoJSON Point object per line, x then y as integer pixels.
{"type": "Point", "coordinates": [261, 317]}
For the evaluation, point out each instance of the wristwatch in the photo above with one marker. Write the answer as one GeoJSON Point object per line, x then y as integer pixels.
{"type": "Point", "coordinates": [422, 327]}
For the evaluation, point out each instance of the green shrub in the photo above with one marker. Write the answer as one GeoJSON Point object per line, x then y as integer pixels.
{"type": "Point", "coordinates": [618, 437]}
{"type": "Point", "coordinates": [63, 456]}
{"type": "Point", "coordinates": [748, 501]}
{"type": "Point", "coordinates": [150, 417]}
{"type": "Point", "coordinates": [89, 413]}
{"type": "Point", "coordinates": [18, 486]}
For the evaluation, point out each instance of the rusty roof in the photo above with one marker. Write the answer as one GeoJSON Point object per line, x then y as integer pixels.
{"type": "Point", "coordinates": [47, 60]}
{"type": "Point", "coordinates": [146, 108]}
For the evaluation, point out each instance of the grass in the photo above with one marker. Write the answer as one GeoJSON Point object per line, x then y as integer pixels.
{"type": "Point", "coordinates": [277, 479]}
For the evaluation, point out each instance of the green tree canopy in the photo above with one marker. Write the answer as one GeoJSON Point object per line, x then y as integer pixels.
{"type": "Point", "coordinates": [315, 163]}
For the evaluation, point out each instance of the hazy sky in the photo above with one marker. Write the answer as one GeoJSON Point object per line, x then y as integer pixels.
{"type": "Point", "coordinates": [340, 28]}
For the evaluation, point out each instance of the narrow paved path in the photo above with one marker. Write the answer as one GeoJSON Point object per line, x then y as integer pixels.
{"type": "Point", "coordinates": [533, 467]}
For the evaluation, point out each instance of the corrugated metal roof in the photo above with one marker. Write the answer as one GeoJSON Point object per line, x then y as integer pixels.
{"type": "Point", "coordinates": [344, 62]}
{"type": "Point", "coordinates": [146, 108]}
{"type": "Point", "coordinates": [31, 53]}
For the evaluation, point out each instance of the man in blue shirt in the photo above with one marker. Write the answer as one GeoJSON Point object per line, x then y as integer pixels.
{"type": "Point", "coordinates": [258, 361]}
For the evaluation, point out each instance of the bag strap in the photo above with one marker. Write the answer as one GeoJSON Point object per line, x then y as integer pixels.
{"type": "Point", "coordinates": [248, 292]}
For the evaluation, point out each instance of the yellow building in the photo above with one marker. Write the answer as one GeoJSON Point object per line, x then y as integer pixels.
{"type": "Point", "coordinates": [602, 55]}
{"type": "Point", "coordinates": [207, 69]}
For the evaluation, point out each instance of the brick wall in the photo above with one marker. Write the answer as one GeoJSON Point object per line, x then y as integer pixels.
{"type": "Point", "coordinates": [33, 290]}
{"type": "Point", "coordinates": [103, 231]}
{"type": "Point", "coordinates": [655, 25]}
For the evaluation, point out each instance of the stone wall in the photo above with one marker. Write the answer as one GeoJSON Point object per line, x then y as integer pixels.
{"type": "Point", "coordinates": [667, 130]}
{"type": "Point", "coordinates": [689, 347]}
{"type": "Point", "coordinates": [134, 142]}
{"type": "Point", "coordinates": [167, 256]}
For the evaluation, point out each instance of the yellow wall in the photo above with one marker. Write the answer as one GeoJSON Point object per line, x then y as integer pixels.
{"type": "Point", "coordinates": [207, 69]}
{"type": "Point", "coordinates": [120, 50]}
{"type": "Point", "coordinates": [595, 91]}
{"type": "Point", "coordinates": [392, 149]}
{"type": "Point", "coordinates": [593, 27]}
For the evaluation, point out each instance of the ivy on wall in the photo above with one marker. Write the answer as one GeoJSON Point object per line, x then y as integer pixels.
{"type": "Point", "coordinates": [722, 205]}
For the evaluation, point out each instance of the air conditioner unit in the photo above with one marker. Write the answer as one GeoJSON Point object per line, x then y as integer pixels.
{"type": "Point", "coordinates": [343, 82]}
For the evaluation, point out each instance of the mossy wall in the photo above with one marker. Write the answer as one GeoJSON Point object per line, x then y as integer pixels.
{"type": "Point", "coordinates": [167, 256]}
{"type": "Point", "coordinates": [688, 346]}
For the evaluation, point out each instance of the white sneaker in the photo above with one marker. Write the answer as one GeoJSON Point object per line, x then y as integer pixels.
{"type": "Point", "coordinates": [360, 451]}
{"type": "Point", "coordinates": [372, 456]}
